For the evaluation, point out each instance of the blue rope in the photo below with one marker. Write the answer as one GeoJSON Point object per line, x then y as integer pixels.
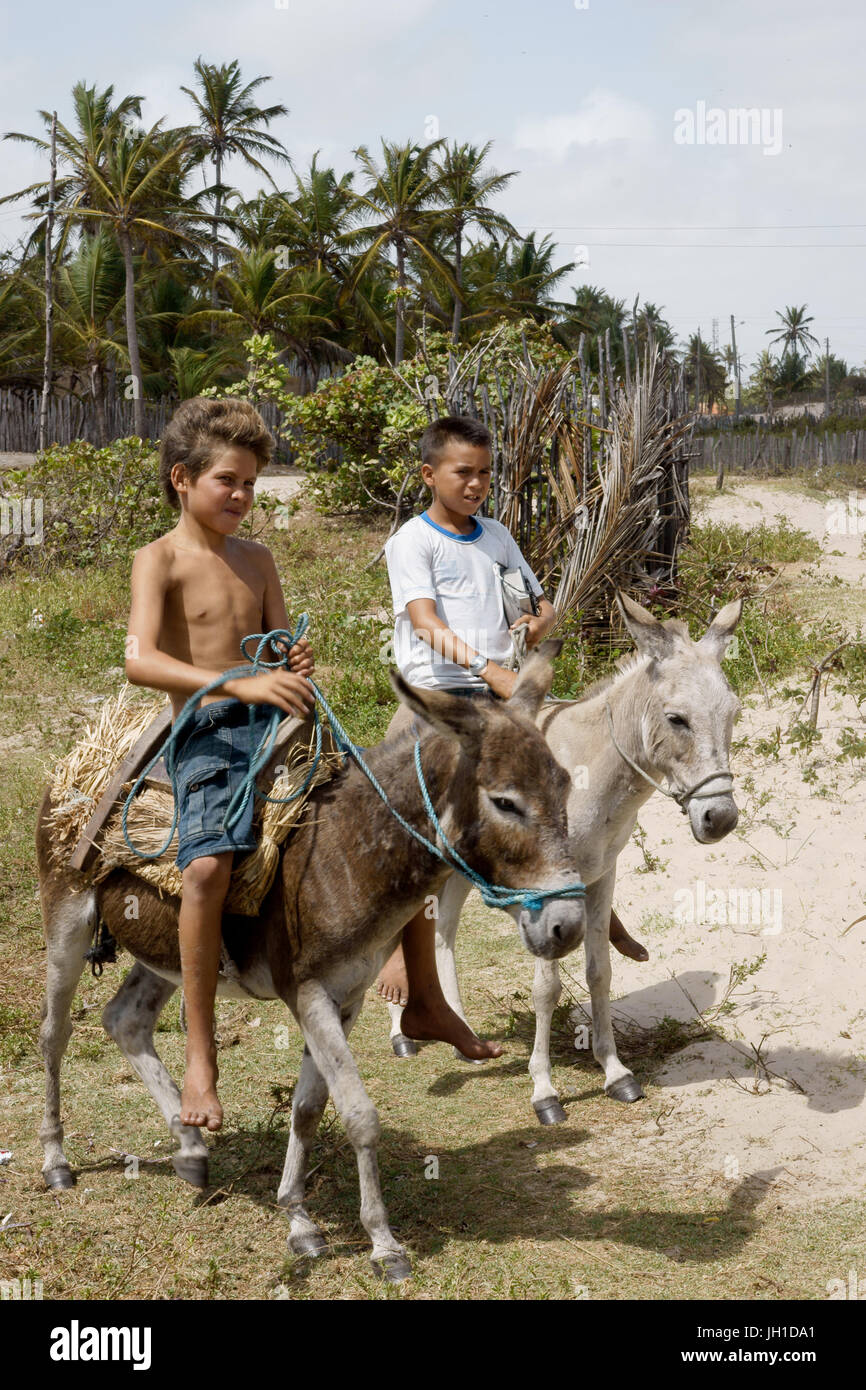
{"type": "Point", "coordinates": [492, 894]}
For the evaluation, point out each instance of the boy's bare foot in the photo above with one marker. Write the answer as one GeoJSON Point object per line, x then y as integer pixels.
{"type": "Point", "coordinates": [427, 1023]}
{"type": "Point", "coordinates": [199, 1103]}
{"type": "Point", "coordinates": [625, 944]}
{"type": "Point", "coordinates": [393, 982]}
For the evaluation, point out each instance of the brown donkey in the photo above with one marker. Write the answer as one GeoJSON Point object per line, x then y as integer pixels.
{"type": "Point", "coordinates": [350, 876]}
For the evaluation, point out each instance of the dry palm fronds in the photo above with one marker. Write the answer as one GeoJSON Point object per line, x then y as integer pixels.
{"type": "Point", "coordinates": [616, 536]}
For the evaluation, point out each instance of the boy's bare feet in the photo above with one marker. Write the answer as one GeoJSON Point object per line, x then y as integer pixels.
{"type": "Point", "coordinates": [393, 982]}
{"type": "Point", "coordinates": [625, 944]}
{"type": "Point", "coordinates": [430, 1022]}
{"type": "Point", "coordinates": [199, 1103]}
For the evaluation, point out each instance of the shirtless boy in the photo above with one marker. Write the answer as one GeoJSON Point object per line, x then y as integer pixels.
{"type": "Point", "coordinates": [196, 592]}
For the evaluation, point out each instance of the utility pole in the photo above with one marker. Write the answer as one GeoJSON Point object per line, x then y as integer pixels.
{"type": "Point", "coordinates": [698, 377]}
{"type": "Point", "coordinates": [826, 376]}
{"type": "Point", "coordinates": [49, 290]}
{"type": "Point", "coordinates": [736, 369]}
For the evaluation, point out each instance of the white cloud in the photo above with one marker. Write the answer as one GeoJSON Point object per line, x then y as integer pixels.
{"type": "Point", "coordinates": [602, 117]}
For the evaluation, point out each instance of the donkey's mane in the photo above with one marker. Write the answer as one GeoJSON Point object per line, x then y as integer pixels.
{"type": "Point", "coordinates": [628, 664]}
{"type": "Point", "coordinates": [625, 666]}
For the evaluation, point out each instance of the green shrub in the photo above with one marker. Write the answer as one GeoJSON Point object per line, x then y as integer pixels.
{"type": "Point", "coordinates": [97, 504]}
{"type": "Point", "coordinates": [374, 415]}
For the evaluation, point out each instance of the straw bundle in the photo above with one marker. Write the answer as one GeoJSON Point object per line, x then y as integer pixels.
{"type": "Point", "coordinates": [80, 778]}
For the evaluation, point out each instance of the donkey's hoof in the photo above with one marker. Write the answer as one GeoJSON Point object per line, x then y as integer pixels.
{"type": "Point", "coordinates": [59, 1177]}
{"type": "Point", "coordinates": [549, 1111]}
{"type": "Point", "coordinates": [403, 1046]}
{"type": "Point", "coordinates": [627, 1088]}
{"type": "Point", "coordinates": [311, 1244]}
{"type": "Point", "coordinates": [192, 1170]}
{"type": "Point", "coordinates": [392, 1268]}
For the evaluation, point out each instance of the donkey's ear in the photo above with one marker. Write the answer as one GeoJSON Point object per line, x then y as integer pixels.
{"type": "Point", "coordinates": [451, 715]}
{"type": "Point", "coordinates": [650, 636]}
{"type": "Point", "coordinates": [717, 635]}
{"type": "Point", "coordinates": [535, 678]}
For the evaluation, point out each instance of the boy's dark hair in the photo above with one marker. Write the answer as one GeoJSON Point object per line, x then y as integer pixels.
{"type": "Point", "coordinates": [199, 427]}
{"type": "Point", "coordinates": [437, 435]}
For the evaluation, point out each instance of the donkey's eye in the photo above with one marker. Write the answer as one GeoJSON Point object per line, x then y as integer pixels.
{"type": "Point", "coordinates": [677, 721]}
{"type": "Point", "coordinates": [504, 803]}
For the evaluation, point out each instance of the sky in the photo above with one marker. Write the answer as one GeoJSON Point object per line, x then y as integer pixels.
{"type": "Point", "coordinates": [617, 115]}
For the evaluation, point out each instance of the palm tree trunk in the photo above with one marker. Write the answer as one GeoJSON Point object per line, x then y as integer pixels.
{"type": "Point", "coordinates": [400, 330]}
{"type": "Point", "coordinates": [49, 291]}
{"type": "Point", "coordinates": [132, 335]}
{"type": "Point", "coordinates": [97, 392]}
{"type": "Point", "coordinates": [458, 279]}
{"type": "Point", "coordinates": [216, 226]}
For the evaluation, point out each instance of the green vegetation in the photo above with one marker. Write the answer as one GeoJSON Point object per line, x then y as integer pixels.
{"type": "Point", "coordinates": [98, 504]}
{"type": "Point", "coordinates": [158, 281]}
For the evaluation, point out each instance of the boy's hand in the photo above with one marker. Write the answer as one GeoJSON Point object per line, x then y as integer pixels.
{"type": "Point", "coordinates": [301, 659]}
{"type": "Point", "coordinates": [536, 627]}
{"type": "Point", "coordinates": [501, 682]}
{"type": "Point", "coordinates": [284, 689]}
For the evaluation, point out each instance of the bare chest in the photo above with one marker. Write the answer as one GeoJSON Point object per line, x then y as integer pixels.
{"type": "Point", "coordinates": [213, 603]}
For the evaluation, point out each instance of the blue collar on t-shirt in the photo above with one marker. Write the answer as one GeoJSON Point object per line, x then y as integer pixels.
{"type": "Point", "coordinates": [472, 536]}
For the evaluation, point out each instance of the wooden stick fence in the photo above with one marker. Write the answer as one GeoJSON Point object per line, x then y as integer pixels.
{"type": "Point", "coordinates": [761, 450]}
{"type": "Point", "coordinates": [71, 418]}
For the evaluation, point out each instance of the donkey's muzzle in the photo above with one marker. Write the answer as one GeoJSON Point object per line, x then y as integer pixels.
{"type": "Point", "coordinates": [555, 929]}
{"type": "Point", "coordinates": [713, 819]}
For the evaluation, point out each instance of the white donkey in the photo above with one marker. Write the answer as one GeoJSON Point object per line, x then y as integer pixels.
{"type": "Point", "coordinates": [668, 712]}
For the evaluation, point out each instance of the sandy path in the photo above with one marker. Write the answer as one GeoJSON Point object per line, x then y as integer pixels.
{"type": "Point", "coordinates": [838, 524]}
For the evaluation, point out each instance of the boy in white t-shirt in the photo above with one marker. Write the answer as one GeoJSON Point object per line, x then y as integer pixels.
{"type": "Point", "coordinates": [451, 633]}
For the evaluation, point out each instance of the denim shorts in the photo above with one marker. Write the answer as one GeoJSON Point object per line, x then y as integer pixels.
{"type": "Point", "coordinates": [211, 763]}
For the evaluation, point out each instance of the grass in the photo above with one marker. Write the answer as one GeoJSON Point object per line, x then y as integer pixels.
{"type": "Point", "coordinates": [516, 1211]}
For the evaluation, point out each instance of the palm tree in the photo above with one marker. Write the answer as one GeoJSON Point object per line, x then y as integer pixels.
{"type": "Point", "coordinates": [794, 333]}
{"type": "Point", "coordinates": [466, 190]}
{"type": "Point", "coordinates": [129, 179]}
{"type": "Point", "coordinates": [651, 325]}
{"type": "Point", "coordinates": [229, 123]}
{"type": "Point", "coordinates": [838, 371]}
{"type": "Point", "coordinates": [400, 196]}
{"type": "Point", "coordinates": [704, 370]}
{"type": "Point", "coordinates": [315, 220]}
{"type": "Point", "coordinates": [765, 376]}
{"type": "Point", "coordinates": [90, 292]}
{"type": "Point", "coordinates": [21, 327]}
{"type": "Point", "coordinates": [193, 372]}
{"type": "Point", "coordinates": [792, 374]}
{"type": "Point", "coordinates": [94, 110]}
{"type": "Point", "coordinates": [139, 183]}
{"type": "Point", "coordinates": [527, 275]}
{"type": "Point", "coordinates": [595, 313]}
{"type": "Point", "coordinates": [311, 227]}
{"type": "Point", "coordinates": [293, 305]}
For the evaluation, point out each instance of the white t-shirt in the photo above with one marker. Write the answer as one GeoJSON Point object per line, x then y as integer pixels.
{"type": "Point", "coordinates": [425, 561]}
